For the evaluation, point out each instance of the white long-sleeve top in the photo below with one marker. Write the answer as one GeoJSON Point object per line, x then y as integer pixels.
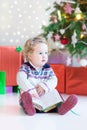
{"type": "Point", "coordinates": [28, 77]}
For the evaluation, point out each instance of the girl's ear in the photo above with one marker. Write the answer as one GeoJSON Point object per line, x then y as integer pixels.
{"type": "Point", "coordinates": [29, 56]}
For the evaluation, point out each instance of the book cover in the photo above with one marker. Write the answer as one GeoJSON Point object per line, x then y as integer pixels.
{"type": "Point", "coordinates": [48, 101]}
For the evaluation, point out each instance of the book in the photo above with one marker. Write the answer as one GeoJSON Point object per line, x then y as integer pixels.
{"type": "Point", "coordinates": [48, 101]}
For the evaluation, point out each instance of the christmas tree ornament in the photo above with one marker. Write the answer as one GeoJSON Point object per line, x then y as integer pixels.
{"type": "Point", "coordinates": [77, 10]}
{"type": "Point", "coordinates": [54, 20]}
{"type": "Point", "coordinates": [59, 15]}
{"type": "Point", "coordinates": [62, 31]}
{"type": "Point", "coordinates": [83, 62]}
{"type": "Point", "coordinates": [59, 45]}
{"type": "Point", "coordinates": [68, 9]}
{"type": "Point", "coordinates": [68, 61]}
{"type": "Point", "coordinates": [56, 37]}
{"type": "Point", "coordinates": [64, 41]}
{"type": "Point", "coordinates": [84, 27]}
{"type": "Point", "coordinates": [74, 39]}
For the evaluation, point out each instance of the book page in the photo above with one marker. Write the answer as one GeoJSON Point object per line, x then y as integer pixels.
{"type": "Point", "coordinates": [49, 99]}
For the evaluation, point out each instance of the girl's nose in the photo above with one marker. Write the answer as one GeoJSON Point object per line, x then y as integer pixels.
{"type": "Point", "coordinates": [44, 55]}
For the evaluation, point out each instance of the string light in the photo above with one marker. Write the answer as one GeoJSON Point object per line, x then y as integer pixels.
{"type": "Point", "coordinates": [79, 16]}
{"type": "Point", "coordinates": [81, 36]}
{"type": "Point", "coordinates": [18, 19]}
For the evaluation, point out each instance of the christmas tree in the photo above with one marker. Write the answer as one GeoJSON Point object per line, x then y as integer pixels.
{"type": "Point", "coordinates": [68, 25]}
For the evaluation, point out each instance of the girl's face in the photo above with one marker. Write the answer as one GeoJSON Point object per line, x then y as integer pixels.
{"type": "Point", "coordinates": [39, 56]}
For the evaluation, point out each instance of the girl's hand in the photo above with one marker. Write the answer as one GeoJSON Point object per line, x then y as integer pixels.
{"type": "Point", "coordinates": [40, 90]}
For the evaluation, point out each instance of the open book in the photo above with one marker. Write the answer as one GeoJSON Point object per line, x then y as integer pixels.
{"type": "Point", "coordinates": [48, 101]}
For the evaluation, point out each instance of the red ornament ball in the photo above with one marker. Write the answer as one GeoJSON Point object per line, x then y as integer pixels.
{"type": "Point", "coordinates": [64, 41]}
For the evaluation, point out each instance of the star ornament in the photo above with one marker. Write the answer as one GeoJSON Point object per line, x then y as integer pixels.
{"type": "Point", "coordinates": [57, 37]}
{"type": "Point", "coordinates": [68, 9]}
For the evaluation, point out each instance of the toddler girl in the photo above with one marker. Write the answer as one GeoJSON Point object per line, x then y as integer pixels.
{"type": "Point", "coordinates": [35, 76]}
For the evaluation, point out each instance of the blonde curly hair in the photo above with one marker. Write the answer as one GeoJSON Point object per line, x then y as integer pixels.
{"type": "Point", "coordinates": [30, 44]}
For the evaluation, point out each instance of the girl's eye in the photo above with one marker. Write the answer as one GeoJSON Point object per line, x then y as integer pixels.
{"type": "Point", "coordinates": [46, 52]}
{"type": "Point", "coordinates": [40, 53]}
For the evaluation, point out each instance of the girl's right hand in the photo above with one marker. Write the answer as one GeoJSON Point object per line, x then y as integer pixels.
{"type": "Point", "coordinates": [40, 90]}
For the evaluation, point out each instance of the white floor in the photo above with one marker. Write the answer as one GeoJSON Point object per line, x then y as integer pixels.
{"type": "Point", "coordinates": [13, 118]}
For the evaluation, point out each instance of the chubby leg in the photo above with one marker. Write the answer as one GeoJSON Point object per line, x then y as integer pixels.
{"type": "Point", "coordinates": [67, 105]}
{"type": "Point", "coordinates": [26, 103]}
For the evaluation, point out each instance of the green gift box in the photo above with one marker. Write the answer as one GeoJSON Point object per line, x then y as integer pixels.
{"type": "Point", "coordinates": [2, 82]}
